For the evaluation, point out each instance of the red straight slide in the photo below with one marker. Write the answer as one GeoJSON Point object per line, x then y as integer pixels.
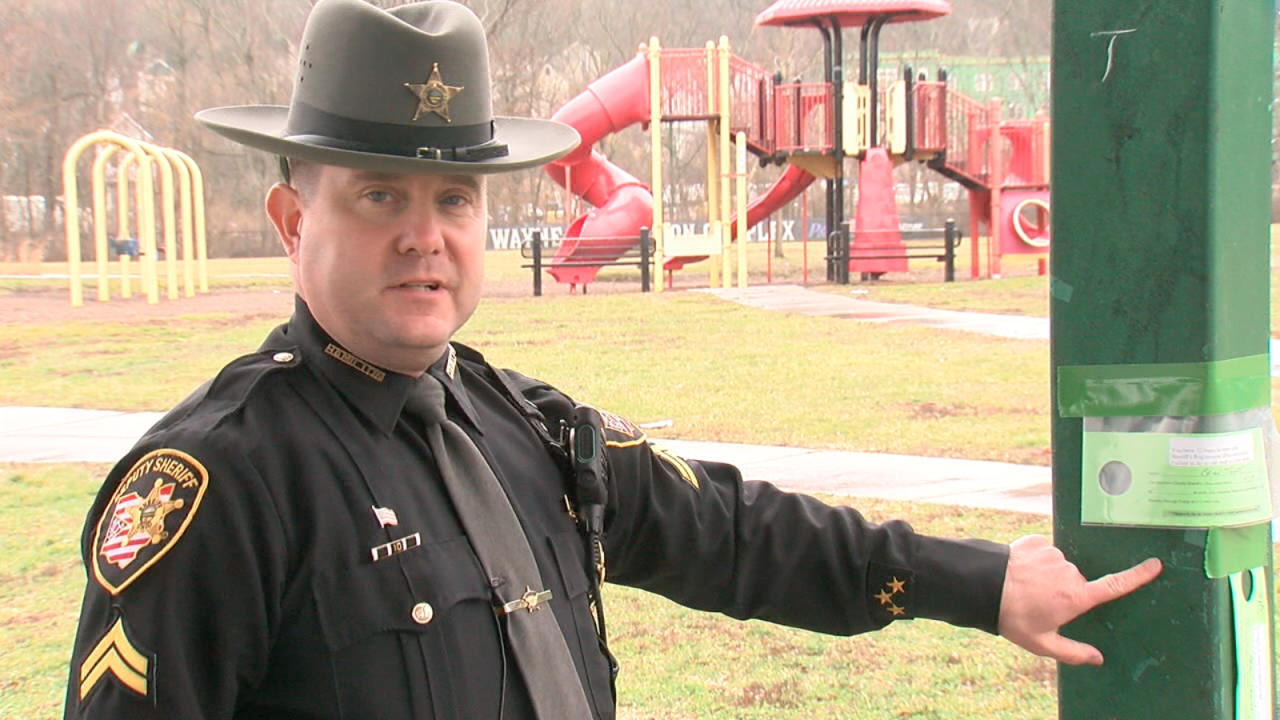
{"type": "Point", "coordinates": [622, 203]}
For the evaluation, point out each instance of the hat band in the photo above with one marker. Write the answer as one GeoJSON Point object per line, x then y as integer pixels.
{"type": "Point", "coordinates": [458, 142]}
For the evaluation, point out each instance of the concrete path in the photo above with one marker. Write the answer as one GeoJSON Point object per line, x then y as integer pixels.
{"type": "Point", "coordinates": [44, 434]}
{"type": "Point", "coordinates": [797, 299]}
{"type": "Point", "coordinates": [41, 434]}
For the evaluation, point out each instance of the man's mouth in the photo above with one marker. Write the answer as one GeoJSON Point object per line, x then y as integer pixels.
{"type": "Point", "coordinates": [421, 286]}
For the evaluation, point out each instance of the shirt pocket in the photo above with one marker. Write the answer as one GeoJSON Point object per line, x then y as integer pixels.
{"type": "Point", "coordinates": [569, 549]}
{"type": "Point", "coordinates": [404, 632]}
{"type": "Point", "coordinates": [413, 592]}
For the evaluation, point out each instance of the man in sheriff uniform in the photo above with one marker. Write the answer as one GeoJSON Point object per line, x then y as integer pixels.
{"type": "Point", "coordinates": [282, 544]}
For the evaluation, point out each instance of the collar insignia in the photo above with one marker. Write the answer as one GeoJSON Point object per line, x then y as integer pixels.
{"type": "Point", "coordinates": [451, 366]}
{"type": "Point", "coordinates": [433, 95]}
{"type": "Point", "coordinates": [346, 358]}
{"type": "Point", "coordinates": [152, 507]}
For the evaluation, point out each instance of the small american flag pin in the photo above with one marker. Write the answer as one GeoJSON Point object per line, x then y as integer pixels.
{"type": "Point", "coordinates": [386, 516]}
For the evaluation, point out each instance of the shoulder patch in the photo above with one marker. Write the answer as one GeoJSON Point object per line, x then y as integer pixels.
{"type": "Point", "coordinates": [630, 434]}
{"type": "Point", "coordinates": [148, 514]}
{"type": "Point", "coordinates": [115, 654]}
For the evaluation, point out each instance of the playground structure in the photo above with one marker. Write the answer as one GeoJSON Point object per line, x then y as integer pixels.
{"type": "Point", "coordinates": [811, 128]}
{"type": "Point", "coordinates": [142, 159]}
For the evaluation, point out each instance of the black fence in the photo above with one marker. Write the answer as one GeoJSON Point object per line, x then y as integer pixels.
{"type": "Point", "coordinates": [602, 252]}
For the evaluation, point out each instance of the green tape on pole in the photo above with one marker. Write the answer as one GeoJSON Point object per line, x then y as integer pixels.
{"type": "Point", "coordinates": [1228, 551]}
{"type": "Point", "coordinates": [1164, 390]}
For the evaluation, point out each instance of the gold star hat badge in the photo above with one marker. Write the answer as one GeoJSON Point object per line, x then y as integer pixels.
{"type": "Point", "coordinates": [360, 99]}
{"type": "Point", "coordinates": [433, 95]}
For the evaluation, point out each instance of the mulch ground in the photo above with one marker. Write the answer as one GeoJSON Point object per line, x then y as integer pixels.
{"type": "Point", "coordinates": [39, 306]}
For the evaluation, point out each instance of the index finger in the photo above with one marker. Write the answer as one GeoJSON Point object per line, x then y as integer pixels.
{"type": "Point", "coordinates": [1118, 584]}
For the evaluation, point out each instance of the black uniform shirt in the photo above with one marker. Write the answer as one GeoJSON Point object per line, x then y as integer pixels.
{"type": "Point", "coordinates": [231, 554]}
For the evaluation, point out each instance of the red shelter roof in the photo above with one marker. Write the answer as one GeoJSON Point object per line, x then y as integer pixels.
{"type": "Point", "coordinates": [851, 13]}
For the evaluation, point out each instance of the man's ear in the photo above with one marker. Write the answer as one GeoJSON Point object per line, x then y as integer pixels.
{"type": "Point", "coordinates": [284, 209]}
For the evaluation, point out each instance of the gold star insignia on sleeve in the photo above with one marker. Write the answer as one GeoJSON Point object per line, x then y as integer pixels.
{"type": "Point", "coordinates": [895, 610]}
{"type": "Point", "coordinates": [433, 95]}
{"type": "Point", "coordinates": [896, 585]}
{"type": "Point", "coordinates": [884, 597]}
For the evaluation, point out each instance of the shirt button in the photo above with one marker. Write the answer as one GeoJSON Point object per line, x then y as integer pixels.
{"type": "Point", "coordinates": [283, 357]}
{"type": "Point", "coordinates": [422, 613]}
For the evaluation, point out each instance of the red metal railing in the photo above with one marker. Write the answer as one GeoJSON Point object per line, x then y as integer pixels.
{"type": "Point", "coordinates": [930, 100]}
{"type": "Point", "coordinates": [963, 131]}
{"type": "Point", "coordinates": [1024, 153]}
{"type": "Point", "coordinates": [968, 125]}
{"type": "Point", "coordinates": [803, 118]}
{"type": "Point", "coordinates": [684, 85]}
{"type": "Point", "coordinates": [798, 118]}
{"type": "Point", "coordinates": [751, 106]}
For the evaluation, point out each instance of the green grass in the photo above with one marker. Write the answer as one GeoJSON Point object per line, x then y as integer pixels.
{"type": "Point", "coordinates": [42, 509]}
{"type": "Point", "coordinates": [120, 365]}
{"type": "Point", "coordinates": [724, 372]}
{"type": "Point", "coordinates": [720, 371]}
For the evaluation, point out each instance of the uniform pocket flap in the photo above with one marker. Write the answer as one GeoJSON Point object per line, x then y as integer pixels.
{"type": "Point", "coordinates": [410, 592]}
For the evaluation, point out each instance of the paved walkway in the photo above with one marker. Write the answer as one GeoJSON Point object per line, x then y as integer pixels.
{"type": "Point", "coordinates": [41, 434]}
{"type": "Point", "coordinates": [797, 299]}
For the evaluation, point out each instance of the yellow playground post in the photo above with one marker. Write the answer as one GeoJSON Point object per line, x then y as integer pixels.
{"type": "Point", "coordinates": [105, 152]}
{"type": "Point", "coordinates": [165, 171]}
{"type": "Point", "coordinates": [657, 231]}
{"type": "Point", "coordinates": [197, 206]}
{"type": "Point", "coordinates": [742, 175]}
{"type": "Point", "coordinates": [72, 206]}
{"type": "Point", "coordinates": [188, 199]}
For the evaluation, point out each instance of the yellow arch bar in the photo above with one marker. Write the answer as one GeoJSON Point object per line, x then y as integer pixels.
{"type": "Point", "coordinates": [100, 218]}
{"type": "Point", "coordinates": [197, 230]}
{"type": "Point", "coordinates": [188, 200]}
{"type": "Point", "coordinates": [71, 217]}
{"type": "Point", "coordinates": [170, 222]}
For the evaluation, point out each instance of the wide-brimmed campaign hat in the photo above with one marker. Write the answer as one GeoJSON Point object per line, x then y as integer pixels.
{"type": "Point", "coordinates": [403, 91]}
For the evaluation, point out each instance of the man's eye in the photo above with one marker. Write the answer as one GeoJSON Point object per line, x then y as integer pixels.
{"type": "Point", "coordinates": [456, 199]}
{"type": "Point", "coordinates": [378, 196]}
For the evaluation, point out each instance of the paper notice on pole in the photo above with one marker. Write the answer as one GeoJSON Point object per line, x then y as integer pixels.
{"type": "Point", "coordinates": [1175, 480]}
{"type": "Point", "coordinates": [1251, 613]}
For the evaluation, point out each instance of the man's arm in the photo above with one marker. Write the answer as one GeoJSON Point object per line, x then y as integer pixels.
{"type": "Point", "coordinates": [184, 564]}
{"type": "Point", "coordinates": [1043, 592]}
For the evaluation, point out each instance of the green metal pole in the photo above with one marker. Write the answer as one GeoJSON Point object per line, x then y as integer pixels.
{"type": "Point", "coordinates": [1161, 213]}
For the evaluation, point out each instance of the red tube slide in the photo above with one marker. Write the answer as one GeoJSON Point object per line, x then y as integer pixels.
{"type": "Point", "coordinates": [622, 203]}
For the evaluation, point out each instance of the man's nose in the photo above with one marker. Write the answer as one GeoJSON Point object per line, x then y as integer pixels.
{"type": "Point", "coordinates": [423, 233]}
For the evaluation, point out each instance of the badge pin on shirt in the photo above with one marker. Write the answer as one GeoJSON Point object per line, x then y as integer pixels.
{"type": "Point", "coordinates": [386, 516]}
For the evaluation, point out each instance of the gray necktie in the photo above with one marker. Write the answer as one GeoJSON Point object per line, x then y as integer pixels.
{"type": "Point", "coordinates": [495, 533]}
